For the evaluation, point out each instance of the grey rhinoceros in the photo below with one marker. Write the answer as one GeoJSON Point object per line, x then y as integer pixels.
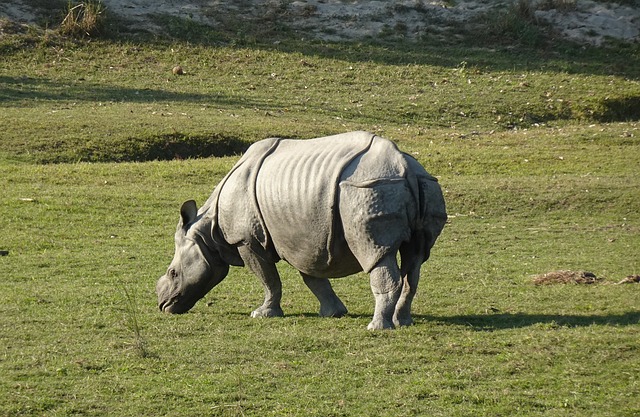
{"type": "Point", "coordinates": [330, 207]}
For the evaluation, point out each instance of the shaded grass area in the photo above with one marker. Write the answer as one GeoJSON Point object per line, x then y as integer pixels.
{"type": "Point", "coordinates": [154, 148]}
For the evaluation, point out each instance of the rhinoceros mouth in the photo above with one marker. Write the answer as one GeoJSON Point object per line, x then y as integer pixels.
{"type": "Point", "coordinates": [170, 306]}
{"type": "Point", "coordinates": [168, 298]}
{"type": "Point", "coordinates": [173, 308]}
{"type": "Point", "coordinates": [175, 305]}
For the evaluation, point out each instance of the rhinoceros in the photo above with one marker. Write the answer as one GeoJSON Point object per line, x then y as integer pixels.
{"type": "Point", "coordinates": [330, 207]}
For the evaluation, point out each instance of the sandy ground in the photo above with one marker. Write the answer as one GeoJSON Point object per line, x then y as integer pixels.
{"type": "Point", "coordinates": [335, 20]}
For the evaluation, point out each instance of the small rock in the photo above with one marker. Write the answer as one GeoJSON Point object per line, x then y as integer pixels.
{"type": "Point", "coordinates": [177, 70]}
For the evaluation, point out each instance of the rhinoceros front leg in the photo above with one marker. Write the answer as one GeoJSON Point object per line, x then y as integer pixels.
{"type": "Point", "coordinates": [330, 304]}
{"type": "Point", "coordinates": [386, 285]}
{"type": "Point", "coordinates": [270, 279]}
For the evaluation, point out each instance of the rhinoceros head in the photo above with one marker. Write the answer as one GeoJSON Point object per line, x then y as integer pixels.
{"type": "Point", "coordinates": [196, 267]}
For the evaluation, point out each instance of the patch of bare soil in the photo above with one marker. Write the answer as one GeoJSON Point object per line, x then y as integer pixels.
{"type": "Point", "coordinates": [566, 277]}
{"type": "Point", "coordinates": [585, 21]}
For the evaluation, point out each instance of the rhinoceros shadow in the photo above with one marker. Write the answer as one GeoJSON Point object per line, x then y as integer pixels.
{"type": "Point", "coordinates": [501, 321]}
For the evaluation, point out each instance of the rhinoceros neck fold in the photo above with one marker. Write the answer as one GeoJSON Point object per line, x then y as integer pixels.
{"type": "Point", "coordinates": [208, 228]}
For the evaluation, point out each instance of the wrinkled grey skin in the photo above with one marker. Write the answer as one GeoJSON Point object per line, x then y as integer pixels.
{"type": "Point", "coordinates": [330, 207]}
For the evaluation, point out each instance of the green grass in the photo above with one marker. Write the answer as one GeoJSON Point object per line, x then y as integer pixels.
{"type": "Point", "coordinates": [538, 159]}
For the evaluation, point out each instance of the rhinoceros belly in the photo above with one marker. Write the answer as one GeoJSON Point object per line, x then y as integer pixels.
{"type": "Point", "coordinates": [296, 191]}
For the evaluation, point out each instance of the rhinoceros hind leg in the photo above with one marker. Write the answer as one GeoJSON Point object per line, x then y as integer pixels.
{"type": "Point", "coordinates": [412, 256]}
{"type": "Point", "coordinates": [386, 286]}
{"type": "Point", "coordinates": [330, 304]}
{"type": "Point", "coordinates": [402, 315]}
{"type": "Point", "coordinates": [270, 279]}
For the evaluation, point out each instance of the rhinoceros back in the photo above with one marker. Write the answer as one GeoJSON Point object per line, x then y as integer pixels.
{"type": "Point", "coordinates": [296, 194]}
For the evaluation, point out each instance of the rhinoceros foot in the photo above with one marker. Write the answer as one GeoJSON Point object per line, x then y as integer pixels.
{"type": "Point", "coordinates": [267, 312]}
{"type": "Point", "coordinates": [402, 315]}
{"type": "Point", "coordinates": [380, 324]}
{"type": "Point", "coordinates": [334, 310]}
{"type": "Point", "coordinates": [402, 321]}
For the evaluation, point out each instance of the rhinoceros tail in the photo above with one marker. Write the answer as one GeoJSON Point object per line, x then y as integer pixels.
{"type": "Point", "coordinates": [433, 213]}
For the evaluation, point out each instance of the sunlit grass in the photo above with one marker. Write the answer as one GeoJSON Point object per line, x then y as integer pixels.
{"type": "Point", "coordinates": [536, 176]}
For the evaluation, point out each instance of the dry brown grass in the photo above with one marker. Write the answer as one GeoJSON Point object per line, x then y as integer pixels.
{"type": "Point", "coordinates": [83, 19]}
{"type": "Point", "coordinates": [631, 279]}
{"type": "Point", "coordinates": [566, 277]}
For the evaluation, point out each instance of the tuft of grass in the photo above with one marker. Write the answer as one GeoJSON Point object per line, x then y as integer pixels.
{"type": "Point", "coordinates": [83, 19]}
{"type": "Point", "coordinates": [516, 24]}
{"type": "Point", "coordinates": [132, 321]}
{"type": "Point", "coordinates": [561, 5]}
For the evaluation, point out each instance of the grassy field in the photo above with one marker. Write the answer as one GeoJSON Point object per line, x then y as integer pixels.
{"type": "Point", "coordinates": [537, 150]}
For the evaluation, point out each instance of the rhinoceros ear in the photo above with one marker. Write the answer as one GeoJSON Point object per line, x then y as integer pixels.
{"type": "Point", "coordinates": [188, 212]}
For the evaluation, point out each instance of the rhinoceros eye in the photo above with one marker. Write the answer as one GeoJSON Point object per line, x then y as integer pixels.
{"type": "Point", "coordinates": [172, 273]}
